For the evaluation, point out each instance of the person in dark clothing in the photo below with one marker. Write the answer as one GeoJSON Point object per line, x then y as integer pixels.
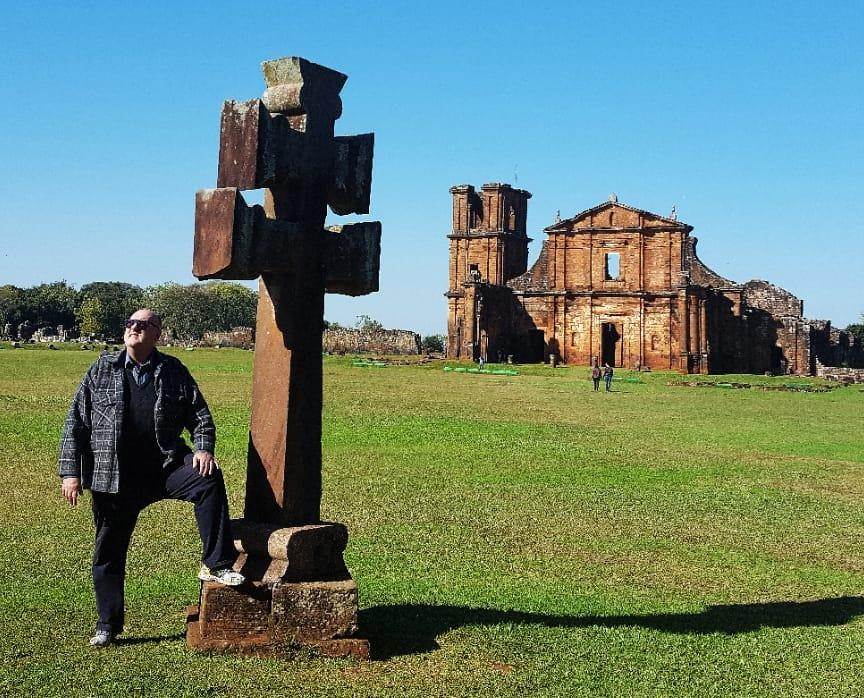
{"type": "Point", "coordinates": [595, 376]}
{"type": "Point", "coordinates": [122, 440]}
{"type": "Point", "coordinates": [608, 372]}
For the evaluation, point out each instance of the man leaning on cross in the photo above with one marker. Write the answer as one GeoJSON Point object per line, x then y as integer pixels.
{"type": "Point", "coordinates": [122, 440]}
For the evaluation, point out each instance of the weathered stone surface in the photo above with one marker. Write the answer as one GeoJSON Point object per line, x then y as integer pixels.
{"type": "Point", "coordinates": [833, 347]}
{"type": "Point", "coordinates": [354, 647]}
{"type": "Point", "coordinates": [256, 618]}
{"type": "Point", "coordinates": [236, 241]}
{"type": "Point", "coordinates": [238, 338]}
{"type": "Point", "coordinates": [227, 610]}
{"type": "Point", "coordinates": [841, 374]}
{"type": "Point", "coordinates": [224, 639]}
{"type": "Point", "coordinates": [259, 149]}
{"type": "Point", "coordinates": [264, 644]}
{"type": "Point", "coordinates": [271, 554]}
{"type": "Point", "coordinates": [296, 86]}
{"type": "Point", "coordinates": [350, 187]}
{"type": "Point", "coordinates": [314, 611]}
{"type": "Point", "coordinates": [324, 540]}
{"type": "Point", "coordinates": [345, 340]}
{"type": "Point", "coordinates": [352, 258]}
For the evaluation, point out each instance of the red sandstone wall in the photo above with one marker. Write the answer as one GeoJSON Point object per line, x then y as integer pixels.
{"type": "Point", "coordinates": [650, 263]}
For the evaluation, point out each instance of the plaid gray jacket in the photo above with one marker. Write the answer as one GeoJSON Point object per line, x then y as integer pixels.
{"type": "Point", "coordinates": [93, 427]}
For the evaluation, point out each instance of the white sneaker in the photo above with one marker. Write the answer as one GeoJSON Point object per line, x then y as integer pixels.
{"type": "Point", "coordinates": [224, 575]}
{"type": "Point", "coordinates": [103, 638]}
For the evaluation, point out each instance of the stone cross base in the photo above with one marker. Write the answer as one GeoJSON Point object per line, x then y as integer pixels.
{"type": "Point", "coordinates": [298, 593]}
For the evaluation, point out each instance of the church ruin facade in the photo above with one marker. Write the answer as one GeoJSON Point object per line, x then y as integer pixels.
{"type": "Point", "coordinates": [612, 284]}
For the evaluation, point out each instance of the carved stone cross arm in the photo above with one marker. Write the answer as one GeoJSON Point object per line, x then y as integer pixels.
{"type": "Point", "coordinates": [284, 142]}
{"type": "Point", "coordinates": [237, 241]}
{"type": "Point", "coordinates": [260, 149]}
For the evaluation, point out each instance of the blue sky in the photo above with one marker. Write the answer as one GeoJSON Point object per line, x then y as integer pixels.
{"type": "Point", "coordinates": [747, 116]}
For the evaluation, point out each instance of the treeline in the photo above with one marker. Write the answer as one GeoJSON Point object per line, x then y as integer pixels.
{"type": "Point", "coordinates": [99, 309]}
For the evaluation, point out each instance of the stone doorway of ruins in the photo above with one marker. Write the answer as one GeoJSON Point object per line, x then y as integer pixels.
{"type": "Point", "coordinates": [536, 347]}
{"type": "Point", "coordinates": [610, 344]}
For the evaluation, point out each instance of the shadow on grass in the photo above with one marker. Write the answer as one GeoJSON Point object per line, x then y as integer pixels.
{"type": "Point", "coordinates": [414, 628]}
{"type": "Point", "coordinates": [153, 639]}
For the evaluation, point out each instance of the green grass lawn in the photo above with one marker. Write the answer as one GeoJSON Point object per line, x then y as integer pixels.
{"type": "Point", "coordinates": [510, 535]}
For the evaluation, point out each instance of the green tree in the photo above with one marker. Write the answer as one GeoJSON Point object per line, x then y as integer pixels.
{"type": "Point", "coordinates": [117, 301]}
{"type": "Point", "coordinates": [184, 309]}
{"type": "Point", "coordinates": [53, 304]}
{"type": "Point", "coordinates": [857, 330]}
{"type": "Point", "coordinates": [89, 315]}
{"type": "Point", "coordinates": [14, 305]}
{"type": "Point", "coordinates": [233, 305]}
{"type": "Point", "coordinates": [434, 343]}
{"type": "Point", "coordinates": [367, 324]}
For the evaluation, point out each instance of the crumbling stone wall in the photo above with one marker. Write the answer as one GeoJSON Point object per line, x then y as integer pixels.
{"type": "Point", "coordinates": [238, 338]}
{"type": "Point", "coordinates": [778, 336]}
{"type": "Point", "coordinates": [776, 301]}
{"type": "Point", "coordinates": [568, 301]}
{"type": "Point", "coordinates": [834, 347]}
{"type": "Point", "coordinates": [343, 340]}
{"type": "Point", "coordinates": [840, 374]}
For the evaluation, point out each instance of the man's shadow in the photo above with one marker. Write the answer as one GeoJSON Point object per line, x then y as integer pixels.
{"type": "Point", "coordinates": [151, 639]}
{"type": "Point", "coordinates": [404, 629]}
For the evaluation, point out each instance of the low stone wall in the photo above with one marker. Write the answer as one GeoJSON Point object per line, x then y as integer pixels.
{"type": "Point", "coordinates": [350, 341]}
{"type": "Point", "coordinates": [839, 374]}
{"type": "Point", "coordinates": [238, 338]}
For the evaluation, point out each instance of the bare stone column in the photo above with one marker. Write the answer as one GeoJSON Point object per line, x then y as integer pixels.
{"type": "Point", "coordinates": [684, 331]}
{"type": "Point", "coordinates": [703, 335]}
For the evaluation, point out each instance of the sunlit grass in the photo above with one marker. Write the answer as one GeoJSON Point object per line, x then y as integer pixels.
{"type": "Point", "coordinates": [510, 535]}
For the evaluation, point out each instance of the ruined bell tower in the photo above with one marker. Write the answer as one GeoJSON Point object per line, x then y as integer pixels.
{"type": "Point", "coordinates": [489, 235]}
{"type": "Point", "coordinates": [488, 247]}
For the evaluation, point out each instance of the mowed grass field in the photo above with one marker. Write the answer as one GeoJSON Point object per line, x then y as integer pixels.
{"type": "Point", "coordinates": [510, 535]}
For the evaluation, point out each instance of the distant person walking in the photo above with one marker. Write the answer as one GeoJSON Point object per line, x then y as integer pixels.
{"type": "Point", "coordinates": [608, 372]}
{"type": "Point", "coordinates": [595, 376]}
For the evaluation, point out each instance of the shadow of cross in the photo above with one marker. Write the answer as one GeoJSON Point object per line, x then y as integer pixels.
{"type": "Point", "coordinates": [284, 143]}
{"type": "Point", "coordinates": [404, 629]}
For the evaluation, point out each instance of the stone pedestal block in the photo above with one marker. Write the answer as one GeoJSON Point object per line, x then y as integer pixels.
{"type": "Point", "coordinates": [234, 611]}
{"type": "Point", "coordinates": [314, 611]}
{"type": "Point", "coordinates": [298, 593]}
{"type": "Point", "coordinates": [230, 618]}
{"type": "Point", "coordinates": [253, 619]}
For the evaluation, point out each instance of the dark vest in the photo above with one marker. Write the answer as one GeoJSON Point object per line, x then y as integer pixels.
{"type": "Point", "coordinates": [140, 456]}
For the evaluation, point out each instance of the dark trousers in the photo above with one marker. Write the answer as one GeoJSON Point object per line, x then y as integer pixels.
{"type": "Point", "coordinates": [115, 516]}
{"type": "Point", "coordinates": [608, 380]}
{"type": "Point", "coordinates": [596, 383]}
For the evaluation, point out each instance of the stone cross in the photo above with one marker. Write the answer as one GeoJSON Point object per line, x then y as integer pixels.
{"type": "Point", "coordinates": [284, 143]}
{"type": "Point", "coordinates": [299, 590]}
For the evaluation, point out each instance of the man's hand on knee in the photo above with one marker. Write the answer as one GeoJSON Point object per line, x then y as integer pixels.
{"type": "Point", "coordinates": [204, 463]}
{"type": "Point", "coordinates": [70, 489]}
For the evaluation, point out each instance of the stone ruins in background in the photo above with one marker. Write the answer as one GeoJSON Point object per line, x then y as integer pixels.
{"type": "Point", "coordinates": [620, 285]}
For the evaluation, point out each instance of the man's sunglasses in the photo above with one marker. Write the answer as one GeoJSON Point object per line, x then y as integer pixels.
{"type": "Point", "coordinates": [140, 325]}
